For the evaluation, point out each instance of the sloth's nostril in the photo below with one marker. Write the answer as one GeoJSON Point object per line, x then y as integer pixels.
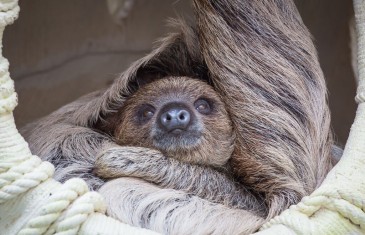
{"type": "Point", "coordinates": [175, 118]}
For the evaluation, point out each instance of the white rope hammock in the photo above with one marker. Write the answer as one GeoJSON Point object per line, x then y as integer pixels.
{"type": "Point", "coordinates": [31, 202]}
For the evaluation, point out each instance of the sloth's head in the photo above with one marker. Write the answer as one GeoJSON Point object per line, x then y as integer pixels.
{"type": "Point", "coordinates": [182, 117]}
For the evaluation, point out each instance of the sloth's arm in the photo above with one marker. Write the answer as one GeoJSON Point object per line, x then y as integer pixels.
{"type": "Point", "coordinates": [68, 145]}
{"type": "Point", "coordinates": [151, 165]}
{"type": "Point", "coordinates": [169, 211]}
{"type": "Point", "coordinates": [261, 58]}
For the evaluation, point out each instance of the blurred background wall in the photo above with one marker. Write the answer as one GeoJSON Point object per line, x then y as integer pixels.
{"type": "Point", "coordinates": [60, 50]}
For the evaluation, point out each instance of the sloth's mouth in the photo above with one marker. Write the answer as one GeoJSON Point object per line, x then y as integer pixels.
{"type": "Point", "coordinates": [176, 140]}
{"type": "Point", "coordinates": [176, 131]}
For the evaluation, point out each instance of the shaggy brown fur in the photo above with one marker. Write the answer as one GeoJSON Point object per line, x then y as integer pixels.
{"type": "Point", "coordinates": [259, 56]}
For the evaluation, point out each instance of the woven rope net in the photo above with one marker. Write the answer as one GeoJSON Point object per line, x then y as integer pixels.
{"type": "Point", "coordinates": [31, 202]}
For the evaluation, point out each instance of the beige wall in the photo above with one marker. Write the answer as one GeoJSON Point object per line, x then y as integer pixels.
{"type": "Point", "coordinates": [60, 50]}
{"type": "Point", "coordinates": [328, 21]}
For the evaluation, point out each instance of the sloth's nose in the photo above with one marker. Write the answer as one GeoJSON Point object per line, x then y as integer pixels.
{"type": "Point", "coordinates": [175, 119]}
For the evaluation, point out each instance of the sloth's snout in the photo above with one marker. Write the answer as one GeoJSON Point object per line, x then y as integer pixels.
{"type": "Point", "coordinates": [175, 118]}
{"type": "Point", "coordinates": [177, 128]}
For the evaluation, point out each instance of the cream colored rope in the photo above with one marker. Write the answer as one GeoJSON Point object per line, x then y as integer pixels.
{"type": "Point", "coordinates": [73, 192]}
{"type": "Point", "coordinates": [359, 6]}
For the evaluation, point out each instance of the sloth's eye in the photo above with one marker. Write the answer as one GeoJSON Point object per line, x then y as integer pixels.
{"type": "Point", "coordinates": [146, 112]}
{"type": "Point", "coordinates": [202, 106]}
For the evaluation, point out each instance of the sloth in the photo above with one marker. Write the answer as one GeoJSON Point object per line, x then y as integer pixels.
{"type": "Point", "coordinates": [183, 119]}
{"type": "Point", "coordinates": [260, 58]}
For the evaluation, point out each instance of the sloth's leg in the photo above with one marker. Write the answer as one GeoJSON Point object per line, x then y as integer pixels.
{"type": "Point", "coordinates": [169, 211]}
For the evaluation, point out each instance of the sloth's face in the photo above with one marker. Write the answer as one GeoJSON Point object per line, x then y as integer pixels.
{"type": "Point", "coordinates": [184, 118]}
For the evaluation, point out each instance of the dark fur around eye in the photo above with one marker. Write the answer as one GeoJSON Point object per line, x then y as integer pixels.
{"type": "Point", "coordinates": [204, 106]}
{"type": "Point", "coordinates": [145, 113]}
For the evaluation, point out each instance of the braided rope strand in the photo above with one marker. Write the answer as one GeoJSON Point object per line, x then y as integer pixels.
{"type": "Point", "coordinates": [56, 205]}
{"type": "Point", "coordinates": [16, 183]}
{"type": "Point", "coordinates": [77, 214]}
